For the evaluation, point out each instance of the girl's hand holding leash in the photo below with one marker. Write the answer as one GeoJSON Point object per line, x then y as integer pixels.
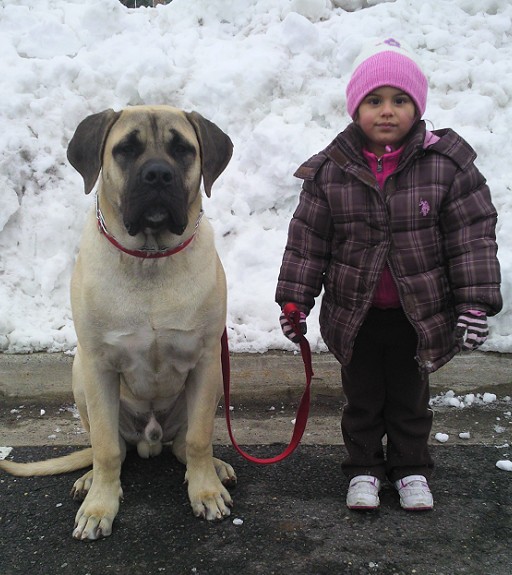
{"type": "Point", "coordinates": [293, 320]}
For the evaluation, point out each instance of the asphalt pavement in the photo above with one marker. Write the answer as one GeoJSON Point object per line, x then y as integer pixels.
{"type": "Point", "coordinates": [288, 518]}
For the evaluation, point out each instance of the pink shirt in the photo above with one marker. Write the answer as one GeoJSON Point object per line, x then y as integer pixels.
{"type": "Point", "coordinates": [386, 295]}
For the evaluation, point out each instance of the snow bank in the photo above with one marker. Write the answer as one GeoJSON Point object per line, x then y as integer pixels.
{"type": "Point", "coordinates": [272, 74]}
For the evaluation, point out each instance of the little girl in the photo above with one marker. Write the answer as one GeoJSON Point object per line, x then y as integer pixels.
{"type": "Point", "coordinates": [396, 224]}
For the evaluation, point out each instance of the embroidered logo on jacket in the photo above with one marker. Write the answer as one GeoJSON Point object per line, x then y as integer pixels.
{"type": "Point", "coordinates": [424, 207]}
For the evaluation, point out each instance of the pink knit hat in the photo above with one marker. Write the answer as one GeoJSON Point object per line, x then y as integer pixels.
{"type": "Point", "coordinates": [386, 63]}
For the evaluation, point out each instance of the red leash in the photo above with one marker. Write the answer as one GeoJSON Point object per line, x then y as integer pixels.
{"type": "Point", "coordinates": [292, 313]}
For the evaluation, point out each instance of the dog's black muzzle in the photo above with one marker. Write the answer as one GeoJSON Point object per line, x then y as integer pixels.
{"type": "Point", "coordinates": [156, 200]}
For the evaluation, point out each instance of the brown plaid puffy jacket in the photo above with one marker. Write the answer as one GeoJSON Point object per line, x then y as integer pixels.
{"type": "Point", "coordinates": [434, 223]}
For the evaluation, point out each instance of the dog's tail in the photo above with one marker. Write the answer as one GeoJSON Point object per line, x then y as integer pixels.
{"type": "Point", "coordinates": [64, 464]}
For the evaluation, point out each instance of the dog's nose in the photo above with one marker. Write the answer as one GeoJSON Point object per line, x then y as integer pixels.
{"type": "Point", "coordinates": [156, 173]}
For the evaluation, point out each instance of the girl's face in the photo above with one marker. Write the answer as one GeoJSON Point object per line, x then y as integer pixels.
{"type": "Point", "coordinates": [386, 115]}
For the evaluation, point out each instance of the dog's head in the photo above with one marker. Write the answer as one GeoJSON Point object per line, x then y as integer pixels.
{"type": "Point", "coordinates": [151, 160]}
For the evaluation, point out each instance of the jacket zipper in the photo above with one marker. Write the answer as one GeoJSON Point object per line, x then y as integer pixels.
{"type": "Point", "coordinates": [423, 365]}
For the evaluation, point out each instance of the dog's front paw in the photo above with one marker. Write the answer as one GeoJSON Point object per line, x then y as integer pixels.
{"type": "Point", "coordinates": [96, 515]}
{"type": "Point", "coordinates": [208, 497]}
{"type": "Point", "coordinates": [93, 527]}
{"type": "Point", "coordinates": [211, 504]}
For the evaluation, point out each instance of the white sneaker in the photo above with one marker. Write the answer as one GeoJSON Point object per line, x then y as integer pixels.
{"type": "Point", "coordinates": [414, 493]}
{"type": "Point", "coordinates": [363, 493]}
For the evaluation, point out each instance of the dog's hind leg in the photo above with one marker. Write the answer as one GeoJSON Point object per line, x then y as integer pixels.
{"type": "Point", "coordinates": [225, 472]}
{"type": "Point", "coordinates": [82, 485]}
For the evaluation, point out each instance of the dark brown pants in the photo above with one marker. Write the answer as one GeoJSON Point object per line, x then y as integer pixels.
{"type": "Point", "coordinates": [387, 396]}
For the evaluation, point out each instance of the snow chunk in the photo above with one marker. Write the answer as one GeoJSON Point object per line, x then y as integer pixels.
{"type": "Point", "coordinates": [504, 464]}
{"type": "Point", "coordinates": [442, 437]}
{"type": "Point", "coordinates": [454, 402]}
{"type": "Point", "coordinates": [469, 398]}
{"type": "Point", "coordinates": [313, 10]}
{"type": "Point", "coordinates": [298, 33]}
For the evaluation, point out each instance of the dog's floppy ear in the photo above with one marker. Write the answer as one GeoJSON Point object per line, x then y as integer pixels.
{"type": "Point", "coordinates": [216, 149]}
{"type": "Point", "coordinates": [85, 149]}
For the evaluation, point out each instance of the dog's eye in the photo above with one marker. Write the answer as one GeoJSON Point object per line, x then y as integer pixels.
{"type": "Point", "coordinates": [180, 149]}
{"type": "Point", "coordinates": [128, 149]}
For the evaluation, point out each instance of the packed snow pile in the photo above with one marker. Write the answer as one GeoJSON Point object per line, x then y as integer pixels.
{"type": "Point", "coordinates": [272, 74]}
{"type": "Point", "coordinates": [449, 399]}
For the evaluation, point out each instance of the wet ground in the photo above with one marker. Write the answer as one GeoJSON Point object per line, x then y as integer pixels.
{"type": "Point", "coordinates": [288, 518]}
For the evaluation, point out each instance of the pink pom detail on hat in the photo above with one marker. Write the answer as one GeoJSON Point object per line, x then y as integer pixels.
{"type": "Point", "coordinates": [386, 63]}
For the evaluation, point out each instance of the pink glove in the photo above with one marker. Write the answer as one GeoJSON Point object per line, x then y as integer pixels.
{"type": "Point", "coordinates": [298, 317]}
{"type": "Point", "coordinates": [472, 324]}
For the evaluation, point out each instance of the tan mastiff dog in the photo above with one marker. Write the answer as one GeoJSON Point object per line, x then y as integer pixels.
{"type": "Point", "coordinates": [149, 306]}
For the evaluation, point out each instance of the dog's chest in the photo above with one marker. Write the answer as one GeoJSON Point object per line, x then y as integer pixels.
{"type": "Point", "coordinates": [153, 363]}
